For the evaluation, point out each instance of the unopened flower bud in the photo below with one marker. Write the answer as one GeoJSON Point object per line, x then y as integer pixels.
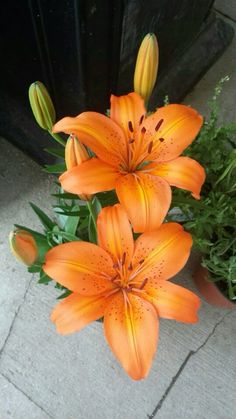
{"type": "Point", "coordinates": [42, 106]}
{"type": "Point", "coordinates": [75, 154]}
{"type": "Point", "coordinates": [23, 246]}
{"type": "Point", "coordinates": [146, 67]}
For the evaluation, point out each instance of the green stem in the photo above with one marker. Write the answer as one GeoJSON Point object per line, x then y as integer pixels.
{"type": "Point", "coordinates": [58, 138]}
{"type": "Point", "coordinates": [92, 213]}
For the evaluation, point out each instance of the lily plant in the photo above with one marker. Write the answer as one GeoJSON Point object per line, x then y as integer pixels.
{"type": "Point", "coordinates": [93, 249]}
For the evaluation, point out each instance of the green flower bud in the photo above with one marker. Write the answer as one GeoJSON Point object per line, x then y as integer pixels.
{"type": "Point", "coordinates": [42, 106]}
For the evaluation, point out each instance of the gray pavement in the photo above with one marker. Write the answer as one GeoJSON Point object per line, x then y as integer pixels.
{"type": "Point", "coordinates": [44, 375]}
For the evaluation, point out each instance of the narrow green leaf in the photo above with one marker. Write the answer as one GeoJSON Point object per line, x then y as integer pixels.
{"type": "Point", "coordinates": [67, 236]}
{"type": "Point", "coordinates": [55, 168]}
{"type": "Point", "coordinates": [96, 206]}
{"type": "Point", "coordinates": [45, 220]}
{"type": "Point", "coordinates": [57, 152]}
{"type": "Point", "coordinates": [43, 278]}
{"type": "Point", "coordinates": [92, 231]}
{"type": "Point", "coordinates": [65, 195]}
{"type": "Point", "coordinates": [64, 295]}
{"type": "Point", "coordinates": [34, 268]}
{"type": "Point", "coordinates": [71, 225]}
{"type": "Point", "coordinates": [68, 213]}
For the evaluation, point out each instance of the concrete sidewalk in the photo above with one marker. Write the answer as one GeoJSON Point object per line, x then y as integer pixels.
{"type": "Point", "coordinates": [44, 375]}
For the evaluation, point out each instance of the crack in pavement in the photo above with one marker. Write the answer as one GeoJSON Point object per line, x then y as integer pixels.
{"type": "Point", "coordinates": [14, 318]}
{"type": "Point", "coordinates": [5, 343]}
{"type": "Point", "coordinates": [26, 395]}
{"type": "Point", "coordinates": [182, 366]}
{"type": "Point", "coordinates": [224, 15]}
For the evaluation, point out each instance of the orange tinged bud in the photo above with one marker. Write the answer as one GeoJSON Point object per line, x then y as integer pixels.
{"type": "Point", "coordinates": [23, 246]}
{"type": "Point", "coordinates": [146, 67]}
{"type": "Point", "coordinates": [75, 152]}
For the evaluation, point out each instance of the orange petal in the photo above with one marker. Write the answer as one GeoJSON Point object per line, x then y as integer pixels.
{"type": "Point", "coordinates": [81, 267]}
{"type": "Point", "coordinates": [161, 254]}
{"type": "Point", "coordinates": [115, 233]}
{"type": "Point", "coordinates": [183, 172]}
{"type": "Point", "coordinates": [89, 177]}
{"type": "Point", "coordinates": [131, 329]}
{"type": "Point", "coordinates": [76, 311]}
{"type": "Point", "coordinates": [170, 129]}
{"type": "Point", "coordinates": [99, 133]}
{"type": "Point", "coordinates": [173, 302]}
{"type": "Point", "coordinates": [146, 199]}
{"type": "Point", "coordinates": [127, 111]}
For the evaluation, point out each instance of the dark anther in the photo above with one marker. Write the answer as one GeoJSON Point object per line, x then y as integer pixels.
{"type": "Point", "coordinates": [158, 125]}
{"type": "Point", "coordinates": [130, 125]}
{"type": "Point", "coordinates": [130, 267]}
{"type": "Point", "coordinates": [141, 261]}
{"type": "Point", "coordinates": [141, 119]}
{"type": "Point", "coordinates": [143, 130]}
{"type": "Point", "coordinates": [123, 258]}
{"type": "Point", "coordinates": [161, 139]}
{"type": "Point", "coordinates": [150, 147]}
{"type": "Point", "coordinates": [131, 141]}
{"type": "Point", "coordinates": [143, 283]}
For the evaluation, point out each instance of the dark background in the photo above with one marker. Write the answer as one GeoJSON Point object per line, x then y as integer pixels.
{"type": "Point", "coordinates": [85, 49]}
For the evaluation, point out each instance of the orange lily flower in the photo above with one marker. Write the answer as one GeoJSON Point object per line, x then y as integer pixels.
{"type": "Point", "coordinates": [137, 156]}
{"type": "Point", "coordinates": [126, 282]}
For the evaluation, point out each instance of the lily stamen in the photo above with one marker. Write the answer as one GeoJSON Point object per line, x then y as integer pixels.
{"type": "Point", "coordinates": [130, 267]}
{"type": "Point", "coordinates": [130, 126]}
{"type": "Point", "coordinates": [158, 125]}
{"type": "Point", "coordinates": [143, 283]}
{"type": "Point", "coordinates": [141, 119]}
{"type": "Point", "coordinates": [123, 258]}
{"type": "Point", "coordinates": [150, 145]}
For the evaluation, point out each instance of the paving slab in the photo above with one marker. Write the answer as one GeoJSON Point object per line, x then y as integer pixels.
{"type": "Point", "coordinates": [203, 91]}
{"type": "Point", "coordinates": [21, 181]}
{"type": "Point", "coordinates": [227, 7]}
{"type": "Point", "coordinates": [208, 379]}
{"type": "Point", "coordinates": [77, 376]}
{"type": "Point", "coordinates": [16, 405]}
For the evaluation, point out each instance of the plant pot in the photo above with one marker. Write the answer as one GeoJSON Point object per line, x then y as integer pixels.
{"type": "Point", "coordinates": [210, 291]}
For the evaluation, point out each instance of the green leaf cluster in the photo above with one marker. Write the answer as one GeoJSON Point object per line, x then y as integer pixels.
{"type": "Point", "coordinates": [73, 220]}
{"type": "Point", "coordinates": [212, 220]}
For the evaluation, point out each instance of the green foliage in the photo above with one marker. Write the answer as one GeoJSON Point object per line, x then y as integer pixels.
{"type": "Point", "coordinates": [212, 220]}
{"type": "Point", "coordinates": [55, 168]}
{"type": "Point", "coordinates": [56, 152]}
{"type": "Point", "coordinates": [74, 220]}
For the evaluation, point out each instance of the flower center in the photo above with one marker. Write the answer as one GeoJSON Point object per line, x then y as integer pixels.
{"type": "Point", "coordinates": [124, 276]}
{"type": "Point", "coordinates": [139, 146]}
